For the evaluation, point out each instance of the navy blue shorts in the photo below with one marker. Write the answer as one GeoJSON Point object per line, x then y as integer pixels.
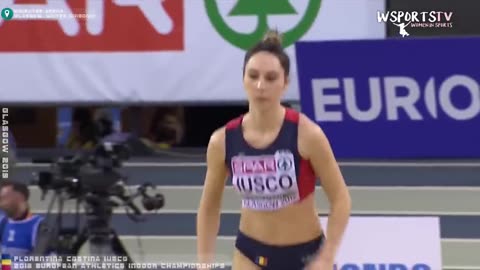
{"type": "Point", "coordinates": [268, 257]}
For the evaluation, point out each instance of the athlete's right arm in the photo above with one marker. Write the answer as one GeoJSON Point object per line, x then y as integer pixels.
{"type": "Point", "coordinates": [208, 216]}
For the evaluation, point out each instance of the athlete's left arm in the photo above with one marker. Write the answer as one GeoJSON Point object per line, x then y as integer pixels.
{"type": "Point", "coordinates": [316, 147]}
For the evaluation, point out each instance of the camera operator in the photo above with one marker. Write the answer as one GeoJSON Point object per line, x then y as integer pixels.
{"type": "Point", "coordinates": [19, 228]}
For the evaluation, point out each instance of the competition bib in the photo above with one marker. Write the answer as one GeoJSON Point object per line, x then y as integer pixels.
{"type": "Point", "coordinates": [266, 182]}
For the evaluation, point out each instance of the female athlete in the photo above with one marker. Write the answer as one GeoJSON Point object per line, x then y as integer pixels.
{"type": "Point", "coordinates": [273, 156]}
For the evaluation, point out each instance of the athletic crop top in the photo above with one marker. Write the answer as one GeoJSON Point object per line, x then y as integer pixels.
{"type": "Point", "coordinates": [273, 177]}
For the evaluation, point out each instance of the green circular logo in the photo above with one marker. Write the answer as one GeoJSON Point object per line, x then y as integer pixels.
{"type": "Point", "coordinates": [7, 14]}
{"type": "Point", "coordinates": [261, 9]}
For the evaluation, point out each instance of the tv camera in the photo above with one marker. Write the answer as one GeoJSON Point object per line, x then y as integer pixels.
{"type": "Point", "coordinates": [92, 179]}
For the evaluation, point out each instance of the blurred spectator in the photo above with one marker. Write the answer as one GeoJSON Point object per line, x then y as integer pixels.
{"type": "Point", "coordinates": [103, 122]}
{"type": "Point", "coordinates": [84, 132]}
{"type": "Point", "coordinates": [167, 127]}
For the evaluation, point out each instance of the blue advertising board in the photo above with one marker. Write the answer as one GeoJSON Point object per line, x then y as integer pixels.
{"type": "Point", "coordinates": [394, 98]}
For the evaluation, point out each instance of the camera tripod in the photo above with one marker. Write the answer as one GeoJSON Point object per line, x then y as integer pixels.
{"type": "Point", "coordinates": [103, 239]}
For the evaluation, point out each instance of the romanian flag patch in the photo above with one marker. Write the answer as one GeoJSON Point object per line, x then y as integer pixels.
{"type": "Point", "coordinates": [6, 262]}
{"type": "Point", "coordinates": [262, 261]}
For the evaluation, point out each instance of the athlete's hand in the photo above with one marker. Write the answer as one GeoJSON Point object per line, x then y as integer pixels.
{"type": "Point", "coordinates": [321, 263]}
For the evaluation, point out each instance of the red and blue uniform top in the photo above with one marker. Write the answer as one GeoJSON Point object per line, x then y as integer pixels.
{"type": "Point", "coordinates": [273, 177]}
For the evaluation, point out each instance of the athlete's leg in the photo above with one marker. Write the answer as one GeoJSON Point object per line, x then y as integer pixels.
{"type": "Point", "coordinates": [241, 262]}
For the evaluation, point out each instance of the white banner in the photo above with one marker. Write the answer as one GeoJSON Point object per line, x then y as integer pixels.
{"type": "Point", "coordinates": [390, 243]}
{"type": "Point", "coordinates": [158, 51]}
